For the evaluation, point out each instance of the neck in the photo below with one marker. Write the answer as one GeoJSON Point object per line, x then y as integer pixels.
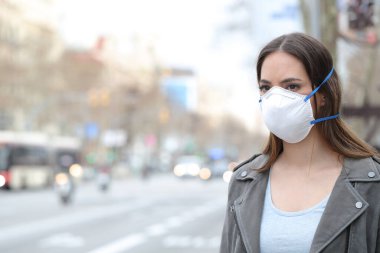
{"type": "Point", "coordinates": [310, 150]}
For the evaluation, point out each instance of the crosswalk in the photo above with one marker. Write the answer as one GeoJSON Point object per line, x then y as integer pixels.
{"type": "Point", "coordinates": [62, 240]}
{"type": "Point", "coordinates": [69, 240]}
{"type": "Point", "coordinates": [163, 228]}
{"type": "Point", "coordinates": [151, 220]}
{"type": "Point", "coordinates": [189, 242]}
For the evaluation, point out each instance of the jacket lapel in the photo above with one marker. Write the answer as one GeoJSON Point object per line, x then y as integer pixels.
{"type": "Point", "coordinates": [249, 206]}
{"type": "Point", "coordinates": [345, 204]}
{"type": "Point", "coordinates": [343, 207]}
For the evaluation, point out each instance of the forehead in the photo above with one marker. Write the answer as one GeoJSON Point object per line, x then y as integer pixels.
{"type": "Point", "coordinates": [280, 65]}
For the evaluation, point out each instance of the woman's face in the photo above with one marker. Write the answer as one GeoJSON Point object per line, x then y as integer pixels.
{"type": "Point", "coordinates": [284, 70]}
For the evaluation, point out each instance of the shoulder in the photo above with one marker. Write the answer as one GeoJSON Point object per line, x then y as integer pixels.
{"type": "Point", "coordinates": [249, 168]}
{"type": "Point", "coordinates": [359, 169]}
{"type": "Point", "coordinates": [245, 172]}
{"type": "Point", "coordinates": [376, 159]}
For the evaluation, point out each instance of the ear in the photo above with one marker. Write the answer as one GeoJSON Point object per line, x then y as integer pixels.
{"type": "Point", "coordinates": [321, 99]}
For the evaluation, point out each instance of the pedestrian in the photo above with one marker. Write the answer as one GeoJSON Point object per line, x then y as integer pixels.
{"type": "Point", "coordinates": [316, 185]}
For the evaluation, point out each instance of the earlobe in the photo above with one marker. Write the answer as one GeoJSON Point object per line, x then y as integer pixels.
{"type": "Point", "coordinates": [323, 100]}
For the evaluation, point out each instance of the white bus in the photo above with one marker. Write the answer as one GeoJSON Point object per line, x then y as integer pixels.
{"type": "Point", "coordinates": [32, 159]}
{"type": "Point", "coordinates": [24, 160]}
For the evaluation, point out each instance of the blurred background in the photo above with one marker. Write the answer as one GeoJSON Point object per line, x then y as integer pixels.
{"type": "Point", "coordinates": [120, 120]}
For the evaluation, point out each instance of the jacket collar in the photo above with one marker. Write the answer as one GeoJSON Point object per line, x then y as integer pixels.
{"type": "Point", "coordinates": [361, 169]}
{"type": "Point", "coordinates": [355, 169]}
{"type": "Point", "coordinates": [248, 171]}
{"type": "Point", "coordinates": [344, 206]}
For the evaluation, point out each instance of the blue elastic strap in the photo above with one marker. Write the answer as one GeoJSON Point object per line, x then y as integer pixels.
{"type": "Point", "coordinates": [324, 119]}
{"type": "Point", "coordinates": [316, 89]}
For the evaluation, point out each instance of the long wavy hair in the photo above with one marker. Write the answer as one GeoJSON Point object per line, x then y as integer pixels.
{"type": "Point", "coordinates": [318, 63]}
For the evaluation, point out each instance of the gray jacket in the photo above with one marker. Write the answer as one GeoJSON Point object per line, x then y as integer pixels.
{"type": "Point", "coordinates": [350, 222]}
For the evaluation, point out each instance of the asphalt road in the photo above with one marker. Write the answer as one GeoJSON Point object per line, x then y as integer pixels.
{"type": "Point", "coordinates": [162, 214]}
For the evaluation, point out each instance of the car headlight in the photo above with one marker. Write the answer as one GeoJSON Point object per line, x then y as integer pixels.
{"type": "Point", "coordinates": [2, 180]}
{"type": "Point", "coordinates": [193, 169]}
{"type": "Point", "coordinates": [179, 170]}
{"type": "Point", "coordinates": [76, 170]}
{"type": "Point", "coordinates": [227, 176]}
{"type": "Point", "coordinates": [61, 178]}
{"type": "Point", "coordinates": [205, 173]}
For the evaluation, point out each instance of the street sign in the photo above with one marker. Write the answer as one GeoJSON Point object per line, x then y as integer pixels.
{"type": "Point", "coordinates": [114, 138]}
{"type": "Point", "coordinates": [91, 130]}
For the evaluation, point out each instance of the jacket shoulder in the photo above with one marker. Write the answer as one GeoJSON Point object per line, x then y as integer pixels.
{"type": "Point", "coordinates": [376, 160]}
{"type": "Point", "coordinates": [240, 165]}
{"type": "Point", "coordinates": [249, 169]}
{"type": "Point", "coordinates": [243, 173]}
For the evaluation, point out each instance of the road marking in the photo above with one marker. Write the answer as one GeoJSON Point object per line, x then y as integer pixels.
{"type": "Point", "coordinates": [177, 241]}
{"type": "Point", "coordinates": [66, 220]}
{"type": "Point", "coordinates": [185, 241]}
{"type": "Point", "coordinates": [156, 230]}
{"type": "Point", "coordinates": [174, 222]}
{"type": "Point", "coordinates": [62, 240]}
{"type": "Point", "coordinates": [122, 244]}
{"type": "Point", "coordinates": [134, 240]}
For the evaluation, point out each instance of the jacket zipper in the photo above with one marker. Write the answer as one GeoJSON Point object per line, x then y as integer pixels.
{"type": "Point", "coordinates": [232, 208]}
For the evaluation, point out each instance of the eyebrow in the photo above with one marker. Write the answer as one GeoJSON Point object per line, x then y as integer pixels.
{"type": "Point", "coordinates": [287, 80]}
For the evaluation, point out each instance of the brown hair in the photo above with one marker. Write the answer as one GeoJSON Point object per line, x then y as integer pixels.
{"type": "Point", "coordinates": [318, 63]}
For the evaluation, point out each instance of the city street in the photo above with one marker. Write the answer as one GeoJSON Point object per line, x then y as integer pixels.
{"type": "Point", "coordinates": [161, 214]}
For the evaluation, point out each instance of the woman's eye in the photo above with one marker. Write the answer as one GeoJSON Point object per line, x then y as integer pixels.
{"type": "Point", "coordinates": [264, 88]}
{"type": "Point", "coordinates": [293, 87]}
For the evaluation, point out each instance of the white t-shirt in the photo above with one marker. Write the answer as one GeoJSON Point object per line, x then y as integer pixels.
{"type": "Point", "coordinates": [284, 232]}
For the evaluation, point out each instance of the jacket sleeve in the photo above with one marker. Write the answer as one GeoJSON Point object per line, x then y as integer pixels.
{"type": "Point", "coordinates": [225, 243]}
{"type": "Point", "coordinates": [225, 246]}
{"type": "Point", "coordinates": [378, 240]}
{"type": "Point", "coordinates": [377, 162]}
{"type": "Point", "coordinates": [229, 233]}
{"type": "Point", "coordinates": [229, 228]}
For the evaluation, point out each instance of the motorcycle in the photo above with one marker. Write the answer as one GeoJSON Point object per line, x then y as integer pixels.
{"type": "Point", "coordinates": [67, 173]}
{"type": "Point", "coordinates": [64, 186]}
{"type": "Point", "coordinates": [104, 178]}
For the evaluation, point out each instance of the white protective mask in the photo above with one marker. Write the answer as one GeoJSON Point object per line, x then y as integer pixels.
{"type": "Point", "coordinates": [289, 115]}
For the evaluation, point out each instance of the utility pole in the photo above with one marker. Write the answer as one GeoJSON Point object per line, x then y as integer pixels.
{"type": "Point", "coordinates": [329, 26]}
{"type": "Point", "coordinates": [320, 21]}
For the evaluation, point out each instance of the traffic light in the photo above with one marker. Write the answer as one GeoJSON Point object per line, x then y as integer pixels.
{"type": "Point", "coordinates": [360, 14]}
{"type": "Point", "coordinates": [164, 115]}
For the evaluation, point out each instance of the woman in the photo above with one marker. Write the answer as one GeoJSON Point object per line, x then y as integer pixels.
{"type": "Point", "coordinates": [316, 187]}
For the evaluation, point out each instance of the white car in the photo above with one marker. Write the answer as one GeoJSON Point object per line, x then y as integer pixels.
{"type": "Point", "coordinates": [188, 166]}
